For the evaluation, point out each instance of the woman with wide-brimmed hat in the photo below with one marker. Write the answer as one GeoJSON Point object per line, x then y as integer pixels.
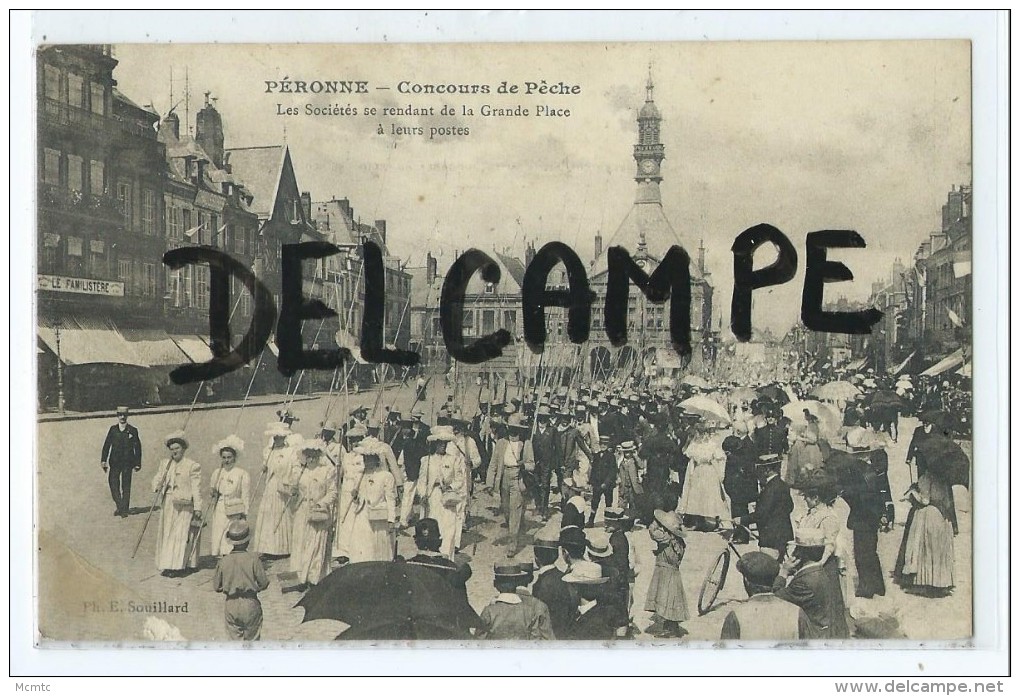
{"type": "Point", "coordinates": [820, 489]}
{"type": "Point", "coordinates": [230, 488]}
{"type": "Point", "coordinates": [442, 487]}
{"type": "Point", "coordinates": [316, 499]}
{"type": "Point", "coordinates": [703, 491]}
{"type": "Point", "coordinates": [179, 485]}
{"type": "Point", "coordinates": [274, 524]}
{"type": "Point", "coordinates": [666, 596]}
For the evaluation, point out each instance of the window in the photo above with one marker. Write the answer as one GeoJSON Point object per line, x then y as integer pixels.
{"type": "Point", "coordinates": [173, 287]}
{"type": "Point", "coordinates": [214, 232]}
{"type": "Point", "coordinates": [51, 166]}
{"type": "Point", "coordinates": [125, 272]}
{"type": "Point", "coordinates": [97, 98]}
{"type": "Point", "coordinates": [509, 319]}
{"type": "Point", "coordinates": [240, 241]}
{"type": "Point", "coordinates": [75, 90]}
{"type": "Point", "coordinates": [97, 178]}
{"type": "Point", "coordinates": [202, 287]}
{"type": "Point", "coordinates": [148, 212]}
{"type": "Point", "coordinates": [74, 256]}
{"type": "Point", "coordinates": [173, 222]}
{"type": "Point", "coordinates": [51, 82]}
{"type": "Point", "coordinates": [201, 236]}
{"type": "Point", "coordinates": [488, 321]}
{"type": "Point", "coordinates": [124, 196]}
{"type": "Point", "coordinates": [75, 173]}
{"type": "Point", "coordinates": [97, 258]}
{"type": "Point", "coordinates": [185, 285]}
{"type": "Point", "coordinates": [148, 288]}
{"type": "Point", "coordinates": [186, 220]}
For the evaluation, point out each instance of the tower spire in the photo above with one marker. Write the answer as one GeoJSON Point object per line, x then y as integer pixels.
{"type": "Point", "coordinates": [649, 86]}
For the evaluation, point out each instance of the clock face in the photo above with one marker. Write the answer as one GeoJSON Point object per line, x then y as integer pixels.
{"type": "Point", "coordinates": [648, 166]}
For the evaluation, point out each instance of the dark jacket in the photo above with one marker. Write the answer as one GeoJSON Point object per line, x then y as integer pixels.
{"type": "Point", "coordinates": [122, 450]}
{"type": "Point", "coordinates": [739, 478]}
{"type": "Point", "coordinates": [866, 491]}
{"type": "Point", "coordinates": [599, 623]}
{"type": "Point", "coordinates": [604, 469]}
{"type": "Point", "coordinates": [457, 574]}
{"type": "Point", "coordinates": [814, 590]}
{"type": "Point", "coordinates": [413, 448]}
{"type": "Point", "coordinates": [559, 597]}
{"type": "Point", "coordinates": [547, 448]}
{"type": "Point", "coordinates": [659, 452]}
{"type": "Point", "coordinates": [772, 514]}
{"type": "Point", "coordinates": [771, 438]}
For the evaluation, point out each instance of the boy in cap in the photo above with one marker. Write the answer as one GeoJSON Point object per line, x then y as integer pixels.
{"type": "Point", "coordinates": [121, 457]}
{"type": "Point", "coordinates": [240, 575]}
{"type": "Point", "coordinates": [764, 616]}
{"type": "Point", "coordinates": [429, 542]}
{"type": "Point", "coordinates": [513, 616]}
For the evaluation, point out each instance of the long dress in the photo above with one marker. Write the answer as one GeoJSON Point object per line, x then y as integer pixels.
{"type": "Point", "coordinates": [370, 538]}
{"type": "Point", "coordinates": [316, 489]}
{"type": "Point", "coordinates": [234, 486]}
{"type": "Point", "coordinates": [828, 519]}
{"type": "Point", "coordinates": [182, 496]}
{"type": "Point", "coordinates": [666, 595]}
{"type": "Point", "coordinates": [928, 538]}
{"type": "Point", "coordinates": [805, 456]}
{"type": "Point", "coordinates": [443, 474]}
{"type": "Point", "coordinates": [352, 468]}
{"type": "Point", "coordinates": [703, 492]}
{"type": "Point", "coordinates": [275, 523]}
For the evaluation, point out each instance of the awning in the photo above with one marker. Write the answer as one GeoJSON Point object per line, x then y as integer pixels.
{"type": "Point", "coordinates": [194, 347]}
{"type": "Point", "coordinates": [903, 365]}
{"type": "Point", "coordinates": [154, 347]}
{"type": "Point", "coordinates": [945, 364]}
{"type": "Point", "coordinates": [88, 340]}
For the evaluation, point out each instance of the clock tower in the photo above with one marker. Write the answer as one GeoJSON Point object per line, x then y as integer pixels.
{"type": "Point", "coordinates": [649, 151]}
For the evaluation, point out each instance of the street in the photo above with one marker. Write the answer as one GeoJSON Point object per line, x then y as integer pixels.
{"type": "Point", "coordinates": [90, 587]}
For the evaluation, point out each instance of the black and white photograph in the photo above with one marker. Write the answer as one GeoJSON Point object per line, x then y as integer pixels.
{"type": "Point", "coordinates": [658, 343]}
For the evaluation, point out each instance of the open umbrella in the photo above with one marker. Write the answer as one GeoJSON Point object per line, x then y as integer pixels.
{"type": "Point", "coordinates": [836, 391]}
{"type": "Point", "coordinates": [705, 407]}
{"type": "Point", "coordinates": [884, 397]}
{"type": "Point", "coordinates": [829, 418]}
{"type": "Point", "coordinates": [945, 459]}
{"type": "Point", "coordinates": [774, 393]}
{"type": "Point", "coordinates": [390, 600]}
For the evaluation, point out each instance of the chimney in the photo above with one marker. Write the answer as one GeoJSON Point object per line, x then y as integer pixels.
{"type": "Point", "coordinates": [380, 225]}
{"type": "Point", "coordinates": [209, 132]}
{"type": "Point", "coordinates": [173, 124]}
{"type": "Point", "coordinates": [345, 208]}
{"type": "Point", "coordinates": [431, 268]}
{"type": "Point", "coordinates": [701, 258]}
{"type": "Point", "coordinates": [598, 244]}
{"type": "Point", "coordinates": [200, 171]}
{"type": "Point", "coordinates": [529, 254]}
{"type": "Point", "coordinates": [306, 205]}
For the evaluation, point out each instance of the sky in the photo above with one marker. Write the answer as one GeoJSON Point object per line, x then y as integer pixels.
{"type": "Point", "coordinates": [804, 136]}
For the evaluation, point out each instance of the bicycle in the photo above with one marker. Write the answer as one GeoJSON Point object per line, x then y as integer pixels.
{"type": "Point", "coordinates": [716, 577]}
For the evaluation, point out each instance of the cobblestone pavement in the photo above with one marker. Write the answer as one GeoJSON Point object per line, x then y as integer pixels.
{"type": "Point", "coordinates": [91, 588]}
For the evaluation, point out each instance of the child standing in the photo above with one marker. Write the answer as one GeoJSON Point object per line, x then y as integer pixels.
{"type": "Point", "coordinates": [240, 575]}
{"type": "Point", "coordinates": [666, 596]}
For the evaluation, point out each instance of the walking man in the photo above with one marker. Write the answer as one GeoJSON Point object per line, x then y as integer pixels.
{"type": "Point", "coordinates": [121, 457]}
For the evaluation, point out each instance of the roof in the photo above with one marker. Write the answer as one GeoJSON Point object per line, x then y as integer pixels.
{"type": "Point", "coordinates": [511, 279]}
{"type": "Point", "coordinates": [646, 222]}
{"type": "Point", "coordinates": [259, 169]}
{"type": "Point", "coordinates": [120, 96]}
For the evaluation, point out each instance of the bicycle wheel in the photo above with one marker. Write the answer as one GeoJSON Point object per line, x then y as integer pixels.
{"type": "Point", "coordinates": [713, 583]}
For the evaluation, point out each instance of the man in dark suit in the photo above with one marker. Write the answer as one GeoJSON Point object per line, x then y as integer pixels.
{"type": "Point", "coordinates": [772, 511]}
{"type": "Point", "coordinates": [549, 586]}
{"type": "Point", "coordinates": [739, 479]}
{"type": "Point", "coordinates": [548, 459]}
{"type": "Point", "coordinates": [121, 457]}
{"type": "Point", "coordinates": [863, 476]}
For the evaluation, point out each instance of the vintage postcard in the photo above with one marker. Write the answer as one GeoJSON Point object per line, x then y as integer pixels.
{"type": "Point", "coordinates": [654, 343]}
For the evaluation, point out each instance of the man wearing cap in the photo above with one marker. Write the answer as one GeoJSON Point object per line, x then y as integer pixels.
{"type": "Point", "coordinates": [773, 509]}
{"type": "Point", "coordinates": [548, 585]}
{"type": "Point", "coordinates": [429, 542]}
{"type": "Point", "coordinates": [240, 575]}
{"type": "Point", "coordinates": [764, 616]}
{"type": "Point", "coordinates": [513, 616]}
{"type": "Point", "coordinates": [120, 458]}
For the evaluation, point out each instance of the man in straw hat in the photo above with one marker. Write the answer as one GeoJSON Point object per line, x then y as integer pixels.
{"type": "Point", "coordinates": [513, 616]}
{"type": "Point", "coordinates": [549, 587]}
{"type": "Point", "coordinates": [596, 619]}
{"type": "Point", "coordinates": [178, 485]}
{"type": "Point", "coordinates": [805, 582]}
{"type": "Point", "coordinates": [240, 575]}
{"type": "Point", "coordinates": [764, 616]}
{"type": "Point", "coordinates": [120, 458]}
{"type": "Point", "coordinates": [518, 458]}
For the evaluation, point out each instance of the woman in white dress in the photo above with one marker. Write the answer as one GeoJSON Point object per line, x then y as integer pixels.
{"type": "Point", "coordinates": [230, 488]}
{"type": "Point", "coordinates": [316, 497]}
{"type": "Point", "coordinates": [179, 485]}
{"type": "Point", "coordinates": [352, 470]}
{"type": "Point", "coordinates": [275, 522]}
{"type": "Point", "coordinates": [442, 488]}
{"type": "Point", "coordinates": [374, 511]}
{"type": "Point", "coordinates": [703, 492]}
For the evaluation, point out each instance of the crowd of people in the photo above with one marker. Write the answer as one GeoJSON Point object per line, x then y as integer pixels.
{"type": "Point", "coordinates": [795, 472]}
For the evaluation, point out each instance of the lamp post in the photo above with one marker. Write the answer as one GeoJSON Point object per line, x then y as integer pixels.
{"type": "Point", "coordinates": [60, 373]}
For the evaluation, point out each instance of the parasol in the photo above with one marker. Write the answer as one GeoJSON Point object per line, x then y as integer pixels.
{"type": "Point", "coordinates": [829, 418]}
{"type": "Point", "coordinates": [884, 397]}
{"type": "Point", "coordinates": [946, 460]}
{"type": "Point", "coordinates": [705, 407]}
{"type": "Point", "coordinates": [836, 391]}
{"type": "Point", "coordinates": [390, 600]}
{"type": "Point", "coordinates": [695, 381]}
